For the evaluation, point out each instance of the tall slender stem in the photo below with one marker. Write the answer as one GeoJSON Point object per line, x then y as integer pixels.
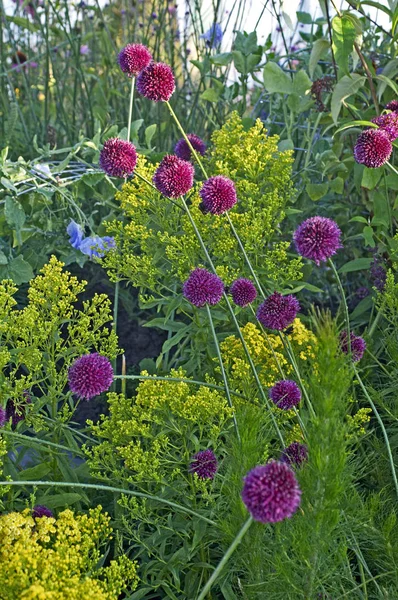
{"type": "Point", "coordinates": [130, 108]}
{"type": "Point", "coordinates": [180, 127]}
{"type": "Point", "coordinates": [345, 305]}
{"type": "Point", "coordinates": [114, 327]}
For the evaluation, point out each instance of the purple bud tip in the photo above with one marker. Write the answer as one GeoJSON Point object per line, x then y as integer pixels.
{"type": "Point", "coordinates": [285, 394]}
{"type": "Point", "coordinates": [90, 375]}
{"type": "Point", "coordinates": [243, 292]}
{"type": "Point", "coordinates": [41, 511]}
{"type": "Point", "coordinates": [204, 464]}
{"type": "Point", "coordinates": [277, 311]}
{"type": "Point", "coordinates": [156, 82]}
{"type": "Point", "coordinates": [174, 176]}
{"type": "Point", "coordinates": [358, 345]}
{"type": "Point", "coordinates": [373, 148]}
{"type": "Point", "coordinates": [218, 195]}
{"type": "Point", "coordinates": [203, 287]}
{"type": "Point", "coordinates": [118, 158]}
{"type": "Point", "coordinates": [295, 455]}
{"type": "Point", "coordinates": [133, 59]}
{"type": "Point", "coordinates": [183, 150]}
{"type": "Point", "coordinates": [317, 238]}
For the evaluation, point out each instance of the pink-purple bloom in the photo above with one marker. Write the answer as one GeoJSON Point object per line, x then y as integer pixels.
{"type": "Point", "coordinates": [317, 238]}
{"type": "Point", "coordinates": [204, 464]}
{"type": "Point", "coordinates": [183, 150]}
{"type": "Point", "coordinates": [218, 195]}
{"type": "Point", "coordinates": [285, 394]}
{"type": "Point", "coordinates": [90, 375]}
{"type": "Point", "coordinates": [40, 511]}
{"type": "Point", "coordinates": [174, 176]}
{"type": "Point", "coordinates": [358, 345]}
{"type": "Point", "coordinates": [203, 287]}
{"type": "Point", "coordinates": [295, 454]}
{"type": "Point", "coordinates": [243, 292]}
{"type": "Point", "coordinates": [118, 158]}
{"type": "Point", "coordinates": [133, 59]}
{"type": "Point", "coordinates": [3, 416]}
{"type": "Point", "coordinates": [388, 123]}
{"type": "Point", "coordinates": [373, 148]}
{"type": "Point", "coordinates": [156, 82]}
{"type": "Point", "coordinates": [393, 105]}
{"type": "Point", "coordinates": [277, 311]}
{"type": "Point", "coordinates": [271, 492]}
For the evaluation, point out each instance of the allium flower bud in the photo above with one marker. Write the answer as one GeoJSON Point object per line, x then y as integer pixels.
{"type": "Point", "coordinates": [388, 123]}
{"type": "Point", "coordinates": [373, 148]}
{"type": "Point", "coordinates": [204, 464]}
{"type": "Point", "coordinates": [271, 492]}
{"type": "Point", "coordinates": [393, 105]}
{"type": "Point", "coordinates": [317, 238]}
{"type": "Point", "coordinates": [118, 158]}
{"type": "Point", "coordinates": [182, 149]}
{"type": "Point", "coordinates": [134, 58]}
{"type": "Point", "coordinates": [218, 195]}
{"type": "Point", "coordinates": [358, 345]}
{"type": "Point", "coordinates": [3, 416]}
{"type": "Point", "coordinates": [243, 292]}
{"type": "Point", "coordinates": [295, 454]}
{"type": "Point", "coordinates": [40, 511]}
{"type": "Point", "coordinates": [156, 82]}
{"type": "Point", "coordinates": [203, 287]}
{"type": "Point", "coordinates": [285, 394]}
{"type": "Point", "coordinates": [90, 375]}
{"type": "Point", "coordinates": [277, 311]}
{"type": "Point", "coordinates": [174, 176]}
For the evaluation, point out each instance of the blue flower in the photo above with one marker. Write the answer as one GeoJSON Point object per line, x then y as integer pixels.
{"type": "Point", "coordinates": [96, 245]}
{"type": "Point", "coordinates": [213, 36]}
{"type": "Point", "coordinates": [76, 233]}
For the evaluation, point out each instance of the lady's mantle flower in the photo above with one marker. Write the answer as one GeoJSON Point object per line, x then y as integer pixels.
{"type": "Point", "coordinates": [358, 345]}
{"type": "Point", "coordinates": [271, 492]}
{"type": "Point", "coordinates": [203, 287]}
{"type": "Point", "coordinates": [41, 511]}
{"type": "Point", "coordinates": [243, 292]}
{"type": "Point", "coordinates": [285, 394]}
{"type": "Point", "coordinates": [182, 149]}
{"type": "Point", "coordinates": [213, 36]}
{"type": "Point", "coordinates": [277, 311]}
{"type": "Point", "coordinates": [90, 375]}
{"type": "Point", "coordinates": [174, 176]}
{"type": "Point", "coordinates": [295, 454]}
{"type": "Point", "coordinates": [156, 82]}
{"type": "Point", "coordinates": [133, 59]}
{"type": "Point", "coordinates": [204, 464]}
{"type": "Point", "coordinates": [118, 158]}
{"type": "Point", "coordinates": [317, 238]}
{"type": "Point", "coordinates": [388, 123]}
{"type": "Point", "coordinates": [373, 148]}
{"type": "Point", "coordinates": [218, 195]}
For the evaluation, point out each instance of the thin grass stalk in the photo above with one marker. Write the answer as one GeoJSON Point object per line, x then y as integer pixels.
{"type": "Point", "coordinates": [130, 108]}
{"type": "Point", "coordinates": [290, 352]}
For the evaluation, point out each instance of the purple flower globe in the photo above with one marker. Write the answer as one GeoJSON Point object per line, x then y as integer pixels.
{"type": "Point", "coordinates": [118, 158]}
{"type": "Point", "coordinates": [243, 292]}
{"type": "Point", "coordinates": [174, 176]}
{"type": "Point", "coordinates": [133, 58]}
{"type": "Point", "coordinates": [183, 151]}
{"type": "Point", "coordinates": [271, 492]}
{"type": "Point", "coordinates": [295, 455]}
{"type": "Point", "coordinates": [277, 311]}
{"type": "Point", "coordinates": [203, 287]}
{"type": "Point", "coordinates": [358, 345]}
{"type": "Point", "coordinates": [204, 464]}
{"type": "Point", "coordinates": [156, 82]}
{"type": "Point", "coordinates": [218, 195]}
{"type": "Point", "coordinates": [317, 238]}
{"type": "Point", "coordinates": [3, 416]}
{"type": "Point", "coordinates": [388, 123]}
{"type": "Point", "coordinates": [16, 411]}
{"type": "Point", "coordinates": [90, 375]}
{"type": "Point", "coordinates": [373, 148]}
{"type": "Point", "coordinates": [41, 511]}
{"type": "Point", "coordinates": [285, 394]}
{"type": "Point", "coordinates": [393, 105]}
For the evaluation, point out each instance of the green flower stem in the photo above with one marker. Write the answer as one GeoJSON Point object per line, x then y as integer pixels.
{"type": "Point", "coordinates": [290, 353]}
{"type": "Point", "coordinates": [216, 573]}
{"type": "Point", "coordinates": [345, 305]}
{"type": "Point", "coordinates": [108, 488]}
{"type": "Point", "coordinates": [40, 442]}
{"type": "Point", "coordinates": [278, 364]}
{"type": "Point", "coordinates": [223, 373]}
{"type": "Point", "coordinates": [114, 327]}
{"type": "Point", "coordinates": [392, 168]}
{"type": "Point", "coordinates": [130, 108]}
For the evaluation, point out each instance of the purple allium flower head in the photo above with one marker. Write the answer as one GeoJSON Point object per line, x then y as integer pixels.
{"type": "Point", "coordinates": [358, 345]}
{"type": "Point", "coordinates": [243, 292]}
{"type": "Point", "coordinates": [317, 238]}
{"type": "Point", "coordinates": [90, 375]}
{"type": "Point", "coordinates": [218, 195]}
{"type": "Point", "coordinates": [118, 158]}
{"type": "Point", "coordinates": [393, 105]}
{"type": "Point", "coordinates": [277, 311]}
{"type": "Point", "coordinates": [3, 416]}
{"type": "Point", "coordinates": [156, 82]}
{"type": "Point", "coordinates": [378, 274]}
{"type": "Point", "coordinates": [41, 511]}
{"type": "Point", "coordinates": [388, 123]}
{"type": "Point", "coordinates": [182, 149]}
{"type": "Point", "coordinates": [204, 464]}
{"type": "Point", "coordinates": [16, 412]}
{"type": "Point", "coordinates": [203, 287]}
{"type": "Point", "coordinates": [271, 492]}
{"type": "Point", "coordinates": [285, 394]}
{"type": "Point", "coordinates": [174, 176]}
{"type": "Point", "coordinates": [76, 233]}
{"type": "Point", "coordinates": [362, 292]}
{"type": "Point", "coordinates": [295, 454]}
{"type": "Point", "coordinates": [134, 58]}
{"type": "Point", "coordinates": [373, 148]}
{"type": "Point", "coordinates": [213, 36]}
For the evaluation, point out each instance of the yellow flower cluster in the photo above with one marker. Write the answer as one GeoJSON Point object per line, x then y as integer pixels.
{"type": "Point", "coordinates": [56, 559]}
{"type": "Point", "coordinates": [358, 421]}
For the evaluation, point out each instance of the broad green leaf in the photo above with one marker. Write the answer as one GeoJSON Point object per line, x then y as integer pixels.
{"type": "Point", "coordinates": [222, 59]}
{"type": "Point", "coordinates": [359, 264]}
{"type": "Point", "coordinates": [275, 80]}
{"type": "Point", "coordinates": [344, 33]}
{"type": "Point", "coordinates": [316, 191]}
{"type": "Point", "coordinates": [319, 49]}
{"type": "Point", "coordinates": [239, 61]}
{"type": "Point", "coordinates": [92, 179]}
{"type": "Point", "coordinates": [19, 270]}
{"type": "Point", "coordinates": [355, 124]}
{"type": "Point", "coordinates": [386, 78]}
{"type": "Point", "coordinates": [364, 305]}
{"type": "Point", "coordinates": [371, 177]}
{"type": "Point", "coordinates": [368, 236]}
{"type": "Point", "coordinates": [285, 145]}
{"type": "Point", "coordinates": [61, 500]}
{"type": "Point", "coordinates": [3, 258]}
{"type": "Point", "coordinates": [35, 473]}
{"type": "Point", "coordinates": [378, 5]}
{"type": "Point", "coordinates": [337, 185]}
{"type": "Point", "coordinates": [380, 208]}
{"type": "Point", "coordinates": [14, 213]}
{"type": "Point", "coordinates": [301, 83]}
{"type": "Point", "coordinates": [304, 17]}
{"type": "Point", "coordinates": [211, 95]}
{"type": "Point", "coordinates": [149, 133]}
{"type": "Point", "coordinates": [246, 42]}
{"type": "Point", "coordinates": [346, 87]}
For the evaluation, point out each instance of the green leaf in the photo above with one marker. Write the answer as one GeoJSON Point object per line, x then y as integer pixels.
{"type": "Point", "coordinates": [221, 60]}
{"type": "Point", "coordinates": [92, 179]}
{"type": "Point", "coordinates": [19, 270]}
{"type": "Point", "coordinates": [246, 42]}
{"type": "Point", "coordinates": [60, 500]}
{"type": "Point", "coordinates": [173, 341]}
{"type": "Point", "coordinates": [211, 95]}
{"type": "Point", "coordinates": [301, 83]}
{"type": "Point", "coordinates": [371, 177]}
{"type": "Point", "coordinates": [364, 305]}
{"type": "Point", "coordinates": [275, 80]}
{"type": "Point", "coordinates": [304, 17]}
{"type": "Point", "coordinates": [368, 235]}
{"type": "Point", "coordinates": [3, 258]}
{"type": "Point", "coordinates": [24, 23]}
{"type": "Point", "coordinates": [35, 473]}
{"type": "Point", "coordinates": [316, 191]}
{"type": "Point", "coordinates": [285, 145]}
{"type": "Point", "coordinates": [381, 209]}
{"type": "Point", "coordinates": [239, 61]}
{"type": "Point", "coordinates": [359, 264]}
{"type": "Point", "coordinates": [337, 185]}
{"type": "Point", "coordinates": [149, 133]}
{"type": "Point", "coordinates": [319, 49]}
{"type": "Point", "coordinates": [347, 86]}
{"type": "Point", "coordinates": [344, 32]}
{"type": "Point", "coordinates": [14, 213]}
{"type": "Point", "coordinates": [389, 73]}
